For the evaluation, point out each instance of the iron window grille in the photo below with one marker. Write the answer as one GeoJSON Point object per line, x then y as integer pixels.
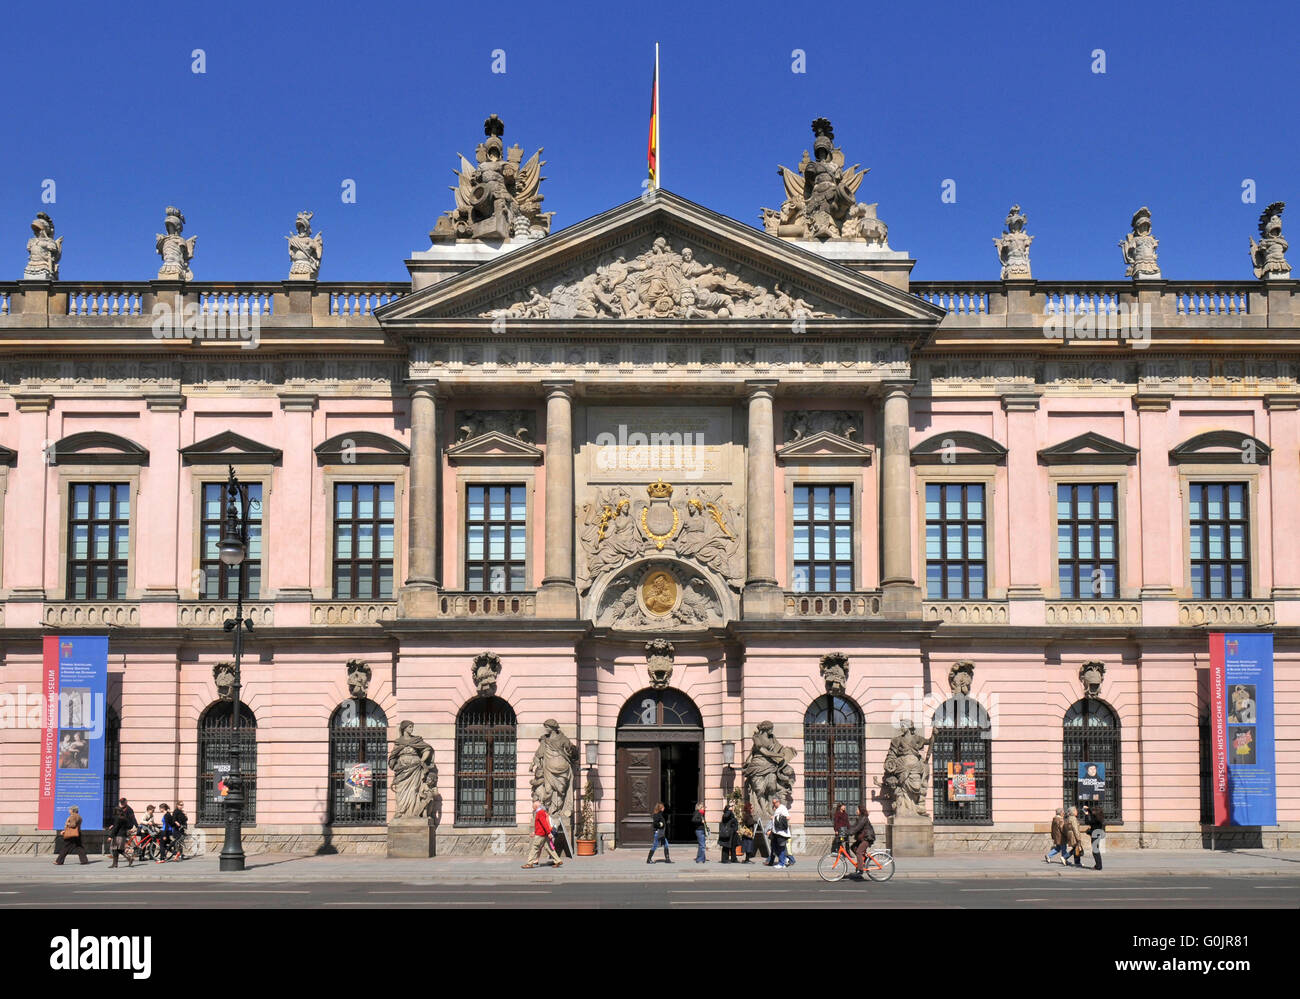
{"type": "Point", "coordinates": [833, 758]}
{"type": "Point", "coordinates": [486, 763]}
{"type": "Point", "coordinates": [823, 538]}
{"type": "Point", "coordinates": [358, 734]}
{"type": "Point", "coordinates": [216, 737]}
{"type": "Point", "coordinates": [1087, 533]}
{"type": "Point", "coordinates": [1092, 735]}
{"type": "Point", "coordinates": [496, 538]}
{"type": "Point", "coordinates": [221, 581]}
{"type": "Point", "coordinates": [954, 541]}
{"type": "Point", "coordinates": [363, 540]}
{"type": "Point", "coordinates": [99, 532]}
{"type": "Point", "coordinates": [962, 736]}
{"type": "Point", "coordinates": [1219, 540]}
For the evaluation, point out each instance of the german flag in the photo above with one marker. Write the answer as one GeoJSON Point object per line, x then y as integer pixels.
{"type": "Point", "coordinates": [652, 150]}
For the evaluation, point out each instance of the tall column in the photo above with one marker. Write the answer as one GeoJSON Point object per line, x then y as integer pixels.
{"type": "Point", "coordinates": [1159, 518]}
{"type": "Point", "coordinates": [762, 597]}
{"type": "Point", "coordinates": [900, 596]}
{"type": "Point", "coordinates": [418, 597]}
{"type": "Point", "coordinates": [558, 596]}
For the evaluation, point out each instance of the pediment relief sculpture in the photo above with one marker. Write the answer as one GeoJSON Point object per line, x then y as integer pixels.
{"type": "Point", "coordinates": [659, 281]}
{"type": "Point", "coordinates": [803, 423]}
{"type": "Point", "coordinates": [660, 595]}
{"type": "Point", "coordinates": [520, 424]}
{"type": "Point", "coordinates": [497, 198]}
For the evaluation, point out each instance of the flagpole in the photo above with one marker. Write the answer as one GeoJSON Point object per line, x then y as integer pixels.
{"type": "Point", "coordinates": [659, 159]}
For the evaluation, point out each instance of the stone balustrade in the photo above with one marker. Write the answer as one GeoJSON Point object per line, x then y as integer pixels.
{"type": "Point", "coordinates": [91, 614]}
{"type": "Point", "coordinates": [238, 300]}
{"type": "Point", "coordinates": [837, 605]}
{"type": "Point", "coordinates": [353, 612]}
{"type": "Point", "coordinates": [463, 604]}
{"type": "Point", "coordinates": [106, 300]}
{"type": "Point", "coordinates": [1086, 612]}
{"type": "Point", "coordinates": [214, 615]}
{"type": "Point", "coordinates": [358, 301]}
{"type": "Point", "coordinates": [1226, 613]}
{"type": "Point", "coordinates": [965, 611]}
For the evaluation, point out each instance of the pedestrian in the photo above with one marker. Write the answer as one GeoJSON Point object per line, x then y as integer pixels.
{"type": "Point", "coordinates": [561, 837]}
{"type": "Point", "coordinates": [182, 823]}
{"type": "Point", "coordinates": [121, 827]}
{"type": "Point", "coordinates": [659, 822]}
{"type": "Point", "coordinates": [1073, 844]}
{"type": "Point", "coordinates": [72, 837]}
{"type": "Point", "coordinates": [1058, 837]}
{"type": "Point", "coordinates": [771, 842]}
{"type": "Point", "coordinates": [727, 830]}
{"type": "Point", "coordinates": [542, 837]}
{"type": "Point", "coordinates": [863, 835]}
{"type": "Point", "coordinates": [701, 832]}
{"type": "Point", "coordinates": [167, 832]}
{"type": "Point", "coordinates": [781, 835]}
{"type": "Point", "coordinates": [840, 826]}
{"type": "Point", "coordinates": [756, 842]}
{"type": "Point", "coordinates": [1097, 832]}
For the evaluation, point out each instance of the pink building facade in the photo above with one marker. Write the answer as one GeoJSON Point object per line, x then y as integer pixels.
{"type": "Point", "coordinates": [924, 477]}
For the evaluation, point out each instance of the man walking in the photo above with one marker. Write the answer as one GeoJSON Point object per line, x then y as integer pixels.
{"type": "Point", "coordinates": [1058, 838]}
{"type": "Point", "coordinates": [542, 837]}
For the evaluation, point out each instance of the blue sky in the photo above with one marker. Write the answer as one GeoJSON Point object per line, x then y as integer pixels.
{"type": "Point", "coordinates": [296, 98]}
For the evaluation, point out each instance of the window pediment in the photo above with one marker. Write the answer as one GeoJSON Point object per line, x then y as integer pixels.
{"type": "Point", "coordinates": [1090, 448]}
{"type": "Point", "coordinates": [1222, 447]}
{"type": "Point", "coordinates": [229, 447]}
{"type": "Point", "coordinates": [494, 447]}
{"type": "Point", "coordinates": [97, 447]}
{"type": "Point", "coordinates": [959, 447]}
{"type": "Point", "coordinates": [362, 447]}
{"type": "Point", "coordinates": [825, 446]}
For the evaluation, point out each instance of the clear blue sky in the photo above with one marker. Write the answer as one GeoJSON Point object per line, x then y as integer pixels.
{"type": "Point", "coordinates": [296, 98]}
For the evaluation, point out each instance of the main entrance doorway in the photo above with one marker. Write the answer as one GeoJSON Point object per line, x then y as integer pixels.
{"type": "Point", "coordinates": [660, 756]}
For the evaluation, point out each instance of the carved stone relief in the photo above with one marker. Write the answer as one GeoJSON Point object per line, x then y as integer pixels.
{"type": "Point", "coordinates": [659, 595]}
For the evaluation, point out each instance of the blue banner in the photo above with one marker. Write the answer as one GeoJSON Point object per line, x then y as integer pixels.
{"type": "Point", "coordinates": [73, 765]}
{"type": "Point", "coordinates": [1243, 701]}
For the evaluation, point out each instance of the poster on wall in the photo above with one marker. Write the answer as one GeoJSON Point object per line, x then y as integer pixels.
{"type": "Point", "coordinates": [358, 784]}
{"type": "Point", "coordinates": [74, 678]}
{"type": "Point", "coordinates": [220, 787]}
{"type": "Point", "coordinates": [1241, 729]}
{"type": "Point", "coordinates": [961, 781]}
{"type": "Point", "coordinates": [1091, 784]}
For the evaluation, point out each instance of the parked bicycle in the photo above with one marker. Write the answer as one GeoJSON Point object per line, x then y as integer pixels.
{"type": "Point", "coordinates": [878, 865]}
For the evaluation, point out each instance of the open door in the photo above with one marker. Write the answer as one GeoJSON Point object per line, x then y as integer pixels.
{"type": "Point", "coordinates": [637, 793]}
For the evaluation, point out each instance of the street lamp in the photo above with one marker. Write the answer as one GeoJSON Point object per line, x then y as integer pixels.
{"type": "Point", "coordinates": [233, 546]}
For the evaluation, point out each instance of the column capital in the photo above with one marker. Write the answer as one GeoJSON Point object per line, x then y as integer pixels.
{"type": "Point", "coordinates": [425, 386]}
{"type": "Point", "coordinates": [1021, 401]}
{"type": "Point", "coordinates": [165, 402]}
{"type": "Point", "coordinates": [758, 387]}
{"type": "Point", "coordinates": [1282, 401]}
{"type": "Point", "coordinates": [298, 402]}
{"type": "Point", "coordinates": [897, 386]}
{"type": "Point", "coordinates": [1152, 402]}
{"type": "Point", "coordinates": [33, 402]}
{"type": "Point", "coordinates": [562, 387]}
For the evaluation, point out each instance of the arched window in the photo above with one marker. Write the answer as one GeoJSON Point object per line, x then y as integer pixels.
{"type": "Point", "coordinates": [832, 758]}
{"type": "Point", "coordinates": [358, 764]}
{"type": "Point", "coordinates": [1091, 735]}
{"type": "Point", "coordinates": [659, 709]}
{"type": "Point", "coordinates": [112, 764]}
{"type": "Point", "coordinates": [486, 774]}
{"type": "Point", "coordinates": [963, 780]}
{"type": "Point", "coordinates": [216, 737]}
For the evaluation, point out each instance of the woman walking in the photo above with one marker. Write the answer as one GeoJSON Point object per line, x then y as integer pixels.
{"type": "Point", "coordinates": [72, 838]}
{"type": "Point", "coordinates": [1073, 837]}
{"type": "Point", "coordinates": [701, 833]}
{"type": "Point", "coordinates": [659, 821]}
{"type": "Point", "coordinates": [753, 841]}
{"type": "Point", "coordinates": [727, 828]}
{"type": "Point", "coordinates": [1058, 837]}
{"type": "Point", "coordinates": [122, 826]}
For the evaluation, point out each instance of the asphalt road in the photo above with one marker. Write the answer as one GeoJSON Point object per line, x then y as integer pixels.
{"type": "Point", "coordinates": [929, 893]}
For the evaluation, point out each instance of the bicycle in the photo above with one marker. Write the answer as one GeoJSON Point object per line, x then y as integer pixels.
{"type": "Point", "coordinates": [141, 845]}
{"type": "Point", "coordinates": [878, 865]}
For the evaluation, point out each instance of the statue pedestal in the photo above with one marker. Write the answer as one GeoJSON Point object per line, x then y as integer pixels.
{"type": "Point", "coordinates": [911, 836]}
{"type": "Point", "coordinates": [411, 839]}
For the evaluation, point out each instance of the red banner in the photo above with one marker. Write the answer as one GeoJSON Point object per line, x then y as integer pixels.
{"type": "Point", "coordinates": [49, 729]}
{"type": "Point", "coordinates": [1219, 731]}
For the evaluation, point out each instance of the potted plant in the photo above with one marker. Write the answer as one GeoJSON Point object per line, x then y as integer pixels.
{"type": "Point", "coordinates": [587, 822]}
{"type": "Point", "coordinates": [736, 799]}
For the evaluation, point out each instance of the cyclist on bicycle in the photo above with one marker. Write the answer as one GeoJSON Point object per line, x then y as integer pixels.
{"type": "Point", "coordinates": [167, 833]}
{"type": "Point", "coordinates": [863, 835]}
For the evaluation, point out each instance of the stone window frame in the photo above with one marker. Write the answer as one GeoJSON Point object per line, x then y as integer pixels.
{"type": "Point", "coordinates": [1219, 472]}
{"type": "Point", "coordinates": [1096, 474]}
{"type": "Point", "coordinates": [511, 475]}
{"type": "Point", "coordinates": [984, 474]}
{"type": "Point", "coordinates": [825, 475]}
{"type": "Point", "coordinates": [248, 475]}
{"type": "Point", "coordinates": [98, 475]}
{"type": "Point", "coordinates": [334, 475]}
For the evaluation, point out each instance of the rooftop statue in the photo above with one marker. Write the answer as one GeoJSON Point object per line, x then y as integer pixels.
{"type": "Point", "coordinates": [305, 250]}
{"type": "Point", "coordinates": [43, 251]}
{"type": "Point", "coordinates": [1139, 248]}
{"type": "Point", "coordinates": [1268, 255]}
{"type": "Point", "coordinates": [176, 252]}
{"type": "Point", "coordinates": [821, 197]}
{"type": "Point", "coordinates": [1013, 246]}
{"type": "Point", "coordinates": [497, 199]}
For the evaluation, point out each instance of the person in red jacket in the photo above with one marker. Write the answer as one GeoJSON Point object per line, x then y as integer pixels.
{"type": "Point", "coordinates": [542, 837]}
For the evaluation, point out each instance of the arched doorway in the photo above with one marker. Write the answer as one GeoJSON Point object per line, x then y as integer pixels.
{"type": "Point", "coordinates": [660, 758]}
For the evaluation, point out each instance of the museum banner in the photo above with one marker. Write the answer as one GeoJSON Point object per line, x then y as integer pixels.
{"type": "Point", "coordinates": [74, 678]}
{"type": "Point", "coordinates": [1242, 749]}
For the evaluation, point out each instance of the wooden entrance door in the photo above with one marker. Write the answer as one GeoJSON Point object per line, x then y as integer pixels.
{"type": "Point", "coordinates": [637, 793]}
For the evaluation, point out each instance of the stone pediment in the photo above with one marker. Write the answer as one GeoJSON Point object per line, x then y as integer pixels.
{"type": "Point", "coordinates": [229, 447]}
{"type": "Point", "coordinates": [1090, 448]}
{"type": "Point", "coordinates": [494, 447]}
{"type": "Point", "coordinates": [661, 258]}
{"type": "Point", "coordinates": [959, 447]}
{"type": "Point", "coordinates": [824, 446]}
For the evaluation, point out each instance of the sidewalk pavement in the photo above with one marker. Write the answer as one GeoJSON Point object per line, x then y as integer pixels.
{"type": "Point", "coordinates": [630, 865]}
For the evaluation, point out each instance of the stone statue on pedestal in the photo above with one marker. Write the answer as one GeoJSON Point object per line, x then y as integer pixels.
{"type": "Point", "coordinates": [821, 197]}
{"type": "Point", "coordinates": [305, 250]}
{"type": "Point", "coordinates": [768, 773]}
{"type": "Point", "coordinates": [43, 251]}
{"type": "Point", "coordinates": [415, 778]}
{"type": "Point", "coordinates": [1269, 254]}
{"type": "Point", "coordinates": [176, 252]}
{"type": "Point", "coordinates": [553, 769]}
{"type": "Point", "coordinates": [1139, 248]}
{"type": "Point", "coordinates": [907, 769]}
{"type": "Point", "coordinates": [1013, 246]}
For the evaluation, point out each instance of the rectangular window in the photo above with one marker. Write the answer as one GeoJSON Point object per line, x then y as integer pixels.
{"type": "Point", "coordinates": [363, 540]}
{"type": "Point", "coordinates": [955, 559]}
{"type": "Point", "coordinates": [1219, 540]}
{"type": "Point", "coordinates": [496, 538]}
{"type": "Point", "coordinates": [220, 581]}
{"type": "Point", "coordinates": [99, 531]}
{"type": "Point", "coordinates": [823, 539]}
{"type": "Point", "coordinates": [1087, 541]}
